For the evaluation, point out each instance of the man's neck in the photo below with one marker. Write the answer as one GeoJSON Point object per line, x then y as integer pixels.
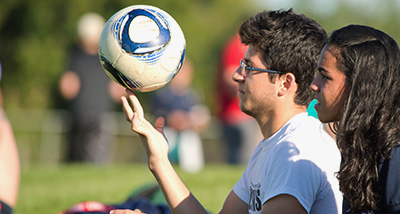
{"type": "Point", "coordinates": [270, 124]}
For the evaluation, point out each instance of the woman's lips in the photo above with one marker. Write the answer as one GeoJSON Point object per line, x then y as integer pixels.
{"type": "Point", "coordinates": [317, 104]}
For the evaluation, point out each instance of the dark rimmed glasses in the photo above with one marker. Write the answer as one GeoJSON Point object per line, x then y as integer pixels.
{"type": "Point", "coordinates": [245, 68]}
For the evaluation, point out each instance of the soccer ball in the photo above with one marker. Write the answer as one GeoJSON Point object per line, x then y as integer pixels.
{"type": "Point", "coordinates": [142, 48]}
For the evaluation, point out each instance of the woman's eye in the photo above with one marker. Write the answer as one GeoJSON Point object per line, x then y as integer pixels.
{"type": "Point", "coordinates": [323, 76]}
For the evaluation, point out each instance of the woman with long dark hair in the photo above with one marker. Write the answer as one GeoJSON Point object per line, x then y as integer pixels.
{"type": "Point", "coordinates": [358, 88]}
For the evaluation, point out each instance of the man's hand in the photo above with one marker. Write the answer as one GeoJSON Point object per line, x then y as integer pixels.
{"type": "Point", "coordinates": [152, 137]}
{"type": "Point", "coordinates": [136, 211]}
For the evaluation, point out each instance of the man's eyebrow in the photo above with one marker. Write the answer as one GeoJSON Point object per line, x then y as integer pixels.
{"type": "Point", "coordinates": [247, 62]}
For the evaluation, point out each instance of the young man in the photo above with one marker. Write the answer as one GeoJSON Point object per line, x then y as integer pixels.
{"type": "Point", "coordinates": [292, 169]}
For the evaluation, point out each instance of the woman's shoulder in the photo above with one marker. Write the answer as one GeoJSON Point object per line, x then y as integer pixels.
{"type": "Point", "coordinates": [389, 181]}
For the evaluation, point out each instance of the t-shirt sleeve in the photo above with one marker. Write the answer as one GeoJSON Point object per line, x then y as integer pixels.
{"type": "Point", "coordinates": [292, 175]}
{"type": "Point", "coordinates": [241, 189]}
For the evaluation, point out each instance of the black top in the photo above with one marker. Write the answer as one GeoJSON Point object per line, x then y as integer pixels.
{"type": "Point", "coordinates": [389, 184]}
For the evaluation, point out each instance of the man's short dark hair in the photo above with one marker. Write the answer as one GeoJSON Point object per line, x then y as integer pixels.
{"type": "Point", "coordinates": [288, 42]}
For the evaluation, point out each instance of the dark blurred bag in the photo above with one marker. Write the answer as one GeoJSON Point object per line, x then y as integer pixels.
{"type": "Point", "coordinates": [143, 199]}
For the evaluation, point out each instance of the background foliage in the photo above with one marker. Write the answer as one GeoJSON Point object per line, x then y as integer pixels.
{"type": "Point", "coordinates": [36, 36]}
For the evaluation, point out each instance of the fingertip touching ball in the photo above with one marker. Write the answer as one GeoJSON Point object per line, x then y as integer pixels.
{"type": "Point", "coordinates": [142, 48]}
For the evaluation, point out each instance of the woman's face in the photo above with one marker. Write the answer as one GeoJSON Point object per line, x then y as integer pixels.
{"type": "Point", "coordinates": [331, 88]}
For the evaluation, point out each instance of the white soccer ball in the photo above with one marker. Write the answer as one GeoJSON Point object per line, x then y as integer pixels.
{"type": "Point", "coordinates": [142, 48]}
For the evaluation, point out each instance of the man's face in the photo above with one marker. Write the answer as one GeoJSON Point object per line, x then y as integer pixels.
{"type": "Point", "coordinates": [255, 89]}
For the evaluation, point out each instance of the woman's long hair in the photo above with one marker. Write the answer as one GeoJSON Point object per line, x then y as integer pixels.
{"type": "Point", "coordinates": [369, 124]}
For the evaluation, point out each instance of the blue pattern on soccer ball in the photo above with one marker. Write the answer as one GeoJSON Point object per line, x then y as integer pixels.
{"type": "Point", "coordinates": [120, 77]}
{"type": "Point", "coordinates": [147, 47]}
{"type": "Point", "coordinates": [182, 58]}
{"type": "Point", "coordinates": [116, 26]}
{"type": "Point", "coordinates": [131, 84]}
{"type": "Point", "coordinates": [150, 58]}
{"type": "Point", "coordinates": [136, 85]}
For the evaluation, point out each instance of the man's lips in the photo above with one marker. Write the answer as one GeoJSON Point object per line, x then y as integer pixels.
{"type": "Point", "coordinates": [240, 91]}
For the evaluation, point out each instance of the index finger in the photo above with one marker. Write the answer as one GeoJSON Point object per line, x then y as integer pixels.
{"type": "Point", "coordinates": [127, 109]}
{"type": "Point", "coordinates": [137, 107]}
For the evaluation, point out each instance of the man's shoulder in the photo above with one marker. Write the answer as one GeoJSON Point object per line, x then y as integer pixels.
{"type": "Point", "coordinates": [308, 133]}
{"type": "Point", "coordinates": [306, 127]}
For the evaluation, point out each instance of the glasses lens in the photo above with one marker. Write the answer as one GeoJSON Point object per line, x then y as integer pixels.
{"type": "Point", "coordinates": [242, 68]}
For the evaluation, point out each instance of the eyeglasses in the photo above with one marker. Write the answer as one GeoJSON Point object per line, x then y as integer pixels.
{"type": "Point", "coordinates": [244, 69]}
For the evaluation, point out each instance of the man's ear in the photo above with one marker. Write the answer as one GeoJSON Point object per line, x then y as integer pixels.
{"type": "Point", "coordinates": [287, 84]}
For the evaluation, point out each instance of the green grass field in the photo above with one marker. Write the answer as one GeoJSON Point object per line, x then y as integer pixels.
{"type": "Point", "coordinates": [51, 189]}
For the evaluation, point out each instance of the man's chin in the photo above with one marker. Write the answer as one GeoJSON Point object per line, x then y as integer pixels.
{"type": "Point", "coordinates": [246, 111]}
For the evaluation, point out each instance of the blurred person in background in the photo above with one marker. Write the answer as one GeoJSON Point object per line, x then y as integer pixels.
{"type": "Point", "coordinates": [91, 94]}
{"type": "Point", "coordinates": [9, 163]}
{"type": "Point", "coordinates": [186, 117]}
{"type": "Point", "coordinates": [240, 132]}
